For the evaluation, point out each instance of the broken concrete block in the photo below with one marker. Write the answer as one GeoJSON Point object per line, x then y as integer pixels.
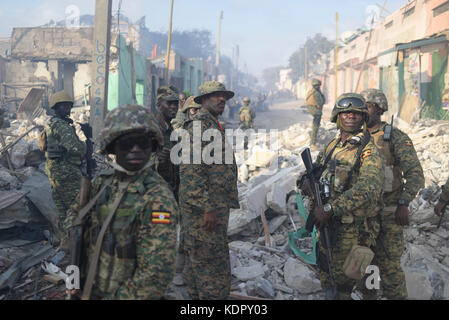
{"type": "Point", "coordinates": [7, 180]}
{"type": "Point", "coordinates": [18, 154]}
{"type": "Point", "coordinates": [264, 288]}
{"type": "Point", "coordinates": [276, 197]}
{"type": "Point", "coordinates": [238, 221]}
{"type": "Point", "coordinates": [261, 157]}
{"type": "Point", "coordinates": [276, 222]}
{"type": "Point", "coordinates": [300, 277]}
{"type": "Point", "coordinates": [249, 273]}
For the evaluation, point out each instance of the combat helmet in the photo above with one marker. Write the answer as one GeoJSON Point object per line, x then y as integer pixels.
{"type": "Point", "coordinates": [376, 96]}
{"type": "Point", "coordinates": [189, 104]}
{"type": "Point", "coordinates": [316, 82]}
{"type": "Point", "coordinates": [128, 119]}
{"type": "Point", "coordinates": [246, 100]}
{"type": "Point", "coordinates": [60, 97]}
{"type": "Point", "coordinates": [349, 102]}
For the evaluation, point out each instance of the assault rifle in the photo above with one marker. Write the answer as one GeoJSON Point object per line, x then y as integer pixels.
{"type": "Point", "coordinates": [320, 191]}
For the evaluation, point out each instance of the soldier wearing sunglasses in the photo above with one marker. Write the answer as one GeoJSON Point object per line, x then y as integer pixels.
{"type": "Point", "coordinates": [353, 167]}
{"type": "Point", "coordinates": [130, 229]}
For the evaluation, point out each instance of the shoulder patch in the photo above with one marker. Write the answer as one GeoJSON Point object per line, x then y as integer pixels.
{"type": "Point", "coordinates": [366, 154]}
{"type": "Point", "coordinates": [159, 217]}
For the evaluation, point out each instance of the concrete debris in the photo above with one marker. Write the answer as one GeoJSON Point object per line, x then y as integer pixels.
{"type": "Point", "coordinates": [300, 277]}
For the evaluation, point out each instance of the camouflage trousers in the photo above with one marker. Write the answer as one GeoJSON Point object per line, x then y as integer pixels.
{"type": "Point", "coordinates": [392, 276]}
{"type": "Point", "coordinates": [316, 113]}
{"type": "Point", "coordinates": [209, 276]}
{"type": "Point", "coordinates": [359, 232]}
{"type": "Point", "coordinates": [65, 179]}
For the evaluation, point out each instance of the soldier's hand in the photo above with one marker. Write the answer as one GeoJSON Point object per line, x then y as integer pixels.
{"type": "Point", "coordinates": [210, 221]}
{"type": "Point", "coordinates": [402, 216]}
{"type": "Point", "coordinates": [439, 208]}
{"type": "Point", "coordinates": [321, 217]}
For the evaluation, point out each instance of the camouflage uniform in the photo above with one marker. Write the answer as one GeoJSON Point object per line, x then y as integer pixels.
{"type": "Point", "coordinates": [445, 193]}
{"type": "Point", "coordinates": [168, 171]}
{"type": "Point", "coordinates": [183, 114]}
{"type": "Point", "coordinates": [314, 102]}
{"type": "Point", "coordinates": [404, 177]}
{"type": "Point", "coordinates": [355, 200]}
{"type": "Point", "coordinates": [138, 251]}
{"type": "Point", "coordinates": [247, 115]}
{"type": "Point", "coordinates": [65, 153]}
{"type": "Point", "coordinates": [207, 188]}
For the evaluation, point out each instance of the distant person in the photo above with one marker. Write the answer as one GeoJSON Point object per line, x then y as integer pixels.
{"type": "Point", "coordinates": [246, 116]}
{"type": "Point", "coordinates": [187, 112]}
{"type": "Point", "coordinates": [167, 104]}
{"type": "Point", "coordinates": [314, 102]}
{"type": "Point", "coordinates": [64, 152]}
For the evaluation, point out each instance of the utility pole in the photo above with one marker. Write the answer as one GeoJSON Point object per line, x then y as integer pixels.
{"type": "Point", "coordinates": [217, 57]}
{"type": "Point", "coordinates": [133, 72]}
{"type": "Point", "coordinates": [237, 56]}
{"type": "Point", "coordinates": [100, 65]}
{"type": "Point", "coordinates": [336, 57]}
{"type": "Point", "coordinates": [232, 68]}
{"type": "Point", "coordinates": [167, 57]}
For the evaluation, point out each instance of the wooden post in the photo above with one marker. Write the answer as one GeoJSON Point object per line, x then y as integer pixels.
{"type": "Point", "coordinates": [336, 57]}
{"type": "Point", "coordinates": [100, 65]}
{"type": "Point", "coordinates": [133, 71]}
{"type": "Point", "coordinates": [306, 65]}
{"type": "Point", "coordinates": [217, 57]}
{"type": "Point", "coordinates": [167, 57]}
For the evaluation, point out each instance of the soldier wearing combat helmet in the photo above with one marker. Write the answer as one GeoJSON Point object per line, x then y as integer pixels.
{"type": "Point", "coordinates": [247, 116]}
{"type": "Point", "coordinates": [64, 152]}
{"type": "Point", "coordinates": [403, 179]}
{"type": "Point", "coordinates": [314, 102]}
{"type": "Point", "coordinates": [189, 109]}
{"type": "Point", "coordinates": [134, 258]}
{"type": "Point", "coordinates": [352, 166]}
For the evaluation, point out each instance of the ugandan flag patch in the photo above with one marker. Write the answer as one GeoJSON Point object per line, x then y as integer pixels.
{"type": "Point", "coordinates": [366, 154]}
{"type": "Point", "coordinates": [408, 143]}
{"type": "Point", "coordinates": [161, 217]}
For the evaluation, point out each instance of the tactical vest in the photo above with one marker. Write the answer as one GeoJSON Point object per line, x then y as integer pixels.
{"type": "Point", "coordinates": [342, 171]}
{"type": "Point", "coordinates": [54, 149]}
{"type": "Point", "coordinates": [117, 262]}
{"type": "Point", "coordinates": [393, 173]}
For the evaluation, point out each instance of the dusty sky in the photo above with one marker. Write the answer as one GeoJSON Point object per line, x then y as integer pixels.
{"type": "Point", "coordinates": [267, 31]}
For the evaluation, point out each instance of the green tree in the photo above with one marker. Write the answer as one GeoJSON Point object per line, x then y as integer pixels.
{"type": "Point", "coordinates": [316, 47]}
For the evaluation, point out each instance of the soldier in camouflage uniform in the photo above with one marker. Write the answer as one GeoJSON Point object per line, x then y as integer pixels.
{"type": "Point", "coordinates": [137, 256]}
{"type": "Point", "coordinates": [168, 104]}
{"type": "Point", "coordinates": [404, 177]}
{"type": "Point", "coordinates": [65, 153]}
{"type": "Point", "coordinates": [207, 193]}
{"type": "Point", "coordinates": [189, 109]}
{"type": "Point", "coordinates": [444, 199]}
{"type": "Point", "coordinates": [354, 167]}
{"type": "Point", "coordinates": [314, 102]}
{"type": "Point", "coordinates": [246, 116]}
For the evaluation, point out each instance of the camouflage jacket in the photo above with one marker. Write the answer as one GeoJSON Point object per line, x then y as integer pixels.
{"type": "Point", "coordinates": [445, 193]}
{"type": "Point", "coordinates": [357, 194]}
{"type": "Point", "coordinates": [178, 122]}
{"type": "Point", "coordinates": [138, 252]}
{"type": "Point", "coordinates": [315, 98]}
{"type": "Point", "coordinates": [207, 187]}
{"type": "Point", "coordinates": [245, 121]}
{"type": "Point", "coordinates": [404, 175]}
{"type": "Point", "coordinates": [168, 171]}
{"type": "Point", "coordinates": [63, 143]}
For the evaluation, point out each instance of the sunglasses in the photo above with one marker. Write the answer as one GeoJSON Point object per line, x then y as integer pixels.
{"type": "Point", "coordinates": [126, 144]}
{"type": "Point", "coordinates": [347, 102]}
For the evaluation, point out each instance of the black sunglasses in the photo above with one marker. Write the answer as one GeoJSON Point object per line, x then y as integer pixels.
{"type": "Point", "coordinates": [352, 101]}
{"type": "Point", "coordinates": [126, 144]}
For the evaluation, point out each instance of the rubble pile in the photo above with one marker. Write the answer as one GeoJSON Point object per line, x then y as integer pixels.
{"type": "Point", "coordinates": [265, 272]}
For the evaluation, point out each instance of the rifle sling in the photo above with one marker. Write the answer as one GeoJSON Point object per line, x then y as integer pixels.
{"type": "Point", "coordinates": [89, 205]}
{"type": "Point", "coordinates": [96, 254]}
